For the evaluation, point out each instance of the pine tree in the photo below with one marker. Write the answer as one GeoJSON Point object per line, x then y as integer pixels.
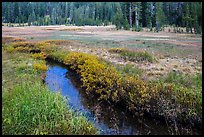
{"type": "Point", "coordinates": [159, 15]}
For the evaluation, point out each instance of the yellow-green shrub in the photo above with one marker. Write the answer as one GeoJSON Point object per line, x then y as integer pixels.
{"type": "Point", "coordinates": [40, 66]}
{"type": "Point", "coordinates": [22, 49]}
{"type": "Point", "coordinates": [23, 44]}
{"type": "Point", "coordinates": [41, 55]}
{"type": "Point", "coordinates": [116, 50]}
{"type": "Point", "coordinates": [59, 42]}
{"type": "Point", "coordinates": [9, 48]}
{"type": "Point", "coordinates": [96, 77]}
{"type": "Point", "coordinates": [188, 98]}
{"type": "Point", "coordinates": [136, 90]}
{"type": "Point", "coordinates": [45, 46]}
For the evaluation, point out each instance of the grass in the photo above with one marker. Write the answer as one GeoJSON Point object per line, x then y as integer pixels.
{"type": "Point", "coordinates": [34, 110]}
{"type": "Point", "coordinates": [186, 91]}
{"type": "Point", "coordinates": [174, 97]}
{"type": "Point", "coordinates": [58, 55]}
{"type": "Point", "coordinates": [11, 39]}
{"type": "Point", "coordinates": [189, 81]}
{"type": "Point", "coordinates": [71, 29]}
{"type": "Point", "coordinates": [129, 70]}
{"type": "Point", "coordinates": [135, 56]}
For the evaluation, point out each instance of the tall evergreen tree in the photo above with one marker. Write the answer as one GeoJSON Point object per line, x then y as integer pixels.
{"type": "Point", "coordinates": [129, 14]}
{"type": "Point", "coordinates": [159, 14]}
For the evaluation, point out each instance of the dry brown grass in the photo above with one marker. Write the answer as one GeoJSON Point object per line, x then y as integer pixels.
{"type": "Point", "coordinates": [11, 39]}
{"type": "Point", "coordinates": [71, 29]}
{"type": "Point", "coordinates": [59, 42]}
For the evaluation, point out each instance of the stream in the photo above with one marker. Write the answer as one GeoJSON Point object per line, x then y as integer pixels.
{"type": "Point", "coordinates": [109, 120]}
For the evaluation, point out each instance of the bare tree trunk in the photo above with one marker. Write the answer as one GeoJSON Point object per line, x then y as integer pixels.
{"type": "Point", "coordinates": [71, 12]}
{"type": "Point", "coordinates": [151, 14]}
{"type": "Point", "coordinates": [136, 17]}
{"type": "Point", "coordinates": [66, 10]}
{"type": "Point", "coordinates": [130, 14]}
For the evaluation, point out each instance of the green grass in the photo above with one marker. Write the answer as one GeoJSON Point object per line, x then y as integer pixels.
{"type": "Point", "coordinates": [35, 110]}
{"type": "Point", "coordinates": [129, 70]}
{"type": "Point", "coordinates": [28, 107]}
{"type": "Point", "coordinates": [135, 56]}
{"type": "Point", "coordinates": [186, 91]}
{"type": "Point", "coordinates": [58, 55]}
{"type": "Point", "coordinates": [189, 81]}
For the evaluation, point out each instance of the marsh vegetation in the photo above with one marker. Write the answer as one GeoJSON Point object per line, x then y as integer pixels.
{"type": "Point", "coordinates": [136, 70]}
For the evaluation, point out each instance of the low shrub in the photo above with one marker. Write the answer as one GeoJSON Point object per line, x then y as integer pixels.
{"type": "Point", "coordinates": [9, 48]}
{"type": "Point", "coordinates": [116, 50]}
{"type": "Point", "coordinates": [167, 100]}
{"type": "Point", "coordinates": [23, 44]}
{"type": "Point", "coordinates": [96, 77]}
{"type": "Point", "coordinates": [137, 93]}
{"type": "Point", "coordinates": [22, 49]}
{"type": "Point", "coordinates": [40, 65]}
{"type": "Point", "coordinates": [59, 42]}
{"type": "Point", "coordinates": [41, 55]}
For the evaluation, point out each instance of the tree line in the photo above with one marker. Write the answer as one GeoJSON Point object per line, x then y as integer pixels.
{"type": "Point", "coordinates": [125, 15]}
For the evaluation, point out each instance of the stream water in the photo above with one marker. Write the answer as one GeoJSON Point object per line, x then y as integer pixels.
{"type": "Point", "coordinates": [109, 120]}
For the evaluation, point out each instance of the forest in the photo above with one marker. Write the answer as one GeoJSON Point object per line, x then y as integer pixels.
{"type": "Point", "coordinates": [125, 15]}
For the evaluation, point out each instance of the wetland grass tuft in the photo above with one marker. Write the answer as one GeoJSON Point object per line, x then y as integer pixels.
{"type": "Point", "coordinates": [135, 56]}
{"type": "Point", "coordinates": [35, 110]}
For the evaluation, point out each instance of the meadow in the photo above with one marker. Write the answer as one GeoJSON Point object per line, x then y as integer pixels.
{"type": "Point", "coordinates": [151, 74]}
